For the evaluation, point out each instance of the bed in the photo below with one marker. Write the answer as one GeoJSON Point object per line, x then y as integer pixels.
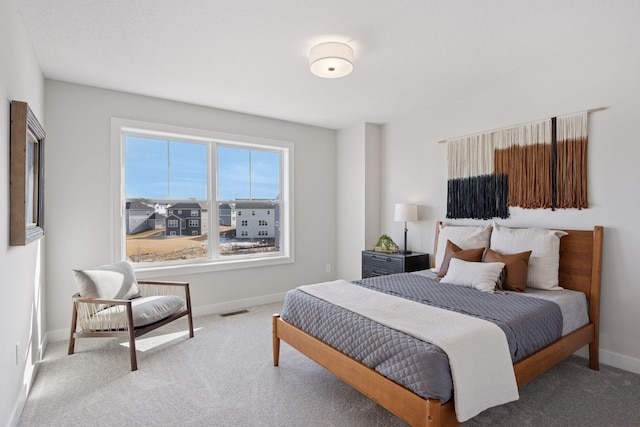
{"type": "Point", "coordinates": [580, 255]}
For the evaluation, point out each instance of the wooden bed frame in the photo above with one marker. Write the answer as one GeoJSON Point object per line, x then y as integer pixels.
{"type": "Point", "coordinates": [580, 266]}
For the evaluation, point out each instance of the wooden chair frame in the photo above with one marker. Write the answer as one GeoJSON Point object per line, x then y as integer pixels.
{"type": "Point", "coordinates": [129, 331]}
{"type": "Point", "coordinates": [580, 269]}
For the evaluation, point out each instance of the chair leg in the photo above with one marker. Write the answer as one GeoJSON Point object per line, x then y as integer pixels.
{"type": "Point", "coordinates": [190, 324]}
{"type": "Point", "coordinates": [189, 316]}
{"type": "Point", "coordinates": [132, 338]}
{"type": "Point", "coordinates": [132, 350]}
{"type": "Point", "coordinates": [74, 320]}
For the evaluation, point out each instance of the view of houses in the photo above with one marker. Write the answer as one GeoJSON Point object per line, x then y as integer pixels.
{"type": "Point", "coordinates": [239, 220]}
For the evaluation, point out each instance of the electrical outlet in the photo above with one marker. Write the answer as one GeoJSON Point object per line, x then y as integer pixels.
{"type": "Point", "coordinates": [328, 268]}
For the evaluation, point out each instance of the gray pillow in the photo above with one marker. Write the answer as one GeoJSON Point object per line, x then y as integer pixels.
{"type": "Point", "coordinates": [112, 281]}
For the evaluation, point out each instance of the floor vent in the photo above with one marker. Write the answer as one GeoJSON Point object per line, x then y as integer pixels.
{"type": "Point", "coordinates": [234, 313]}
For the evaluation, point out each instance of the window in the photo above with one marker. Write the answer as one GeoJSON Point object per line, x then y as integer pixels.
{"type": "Point", "coordinates": [177, 173]}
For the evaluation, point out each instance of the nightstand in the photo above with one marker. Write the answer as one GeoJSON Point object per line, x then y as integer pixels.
{"type": "Point", "coordinates": [380, 263]}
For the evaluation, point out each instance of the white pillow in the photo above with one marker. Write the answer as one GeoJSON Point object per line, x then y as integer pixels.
{"type": "Point", "coordinates": [464, 236]}
{"type": "Point", "coordinates": [478, 275]}
{"type": "Point", "coordinates": [545, 252]}
{"type": "Point", "coordinates": [112, 281]}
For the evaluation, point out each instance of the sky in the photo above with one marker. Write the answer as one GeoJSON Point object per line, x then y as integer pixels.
{"type": "Point", "coordinates": [162, 169]}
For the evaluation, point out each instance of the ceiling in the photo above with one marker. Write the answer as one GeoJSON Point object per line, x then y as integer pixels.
{"type": "Point", "coordinates": [251, 56]}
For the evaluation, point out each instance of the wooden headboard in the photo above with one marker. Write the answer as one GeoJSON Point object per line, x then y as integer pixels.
{"type": "Point", "coordinates": [580, 262]}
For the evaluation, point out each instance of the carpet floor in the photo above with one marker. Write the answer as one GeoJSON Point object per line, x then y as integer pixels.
{"type": "Point", "coordinates": [224, 377]}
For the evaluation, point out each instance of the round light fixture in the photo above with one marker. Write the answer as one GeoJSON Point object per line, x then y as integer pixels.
{"type": "Point", "coordinates": [331, 60]}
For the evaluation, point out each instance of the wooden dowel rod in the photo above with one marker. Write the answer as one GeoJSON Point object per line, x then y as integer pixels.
{"type": "Point", "coordinates": [593, 110]}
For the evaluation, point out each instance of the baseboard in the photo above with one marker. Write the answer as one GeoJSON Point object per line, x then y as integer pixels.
{"type": "Point", "coordinates": [240, 304]}
{"type": "Point", "coordinates": [615, 360]}
{"type": "Point", "coordinates": [30, 373]}
{"type": "Point", "coordinates": [620, 361]}
{"type": "Point", "coordinates": [223, 307]}
{"type": "Point", "coordinates": [20, 401]}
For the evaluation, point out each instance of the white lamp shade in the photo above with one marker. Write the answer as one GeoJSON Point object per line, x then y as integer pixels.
{"type": "Point", "coordinates": [406, 212]}
{"type": "Point", "coordinates": [331, 60]}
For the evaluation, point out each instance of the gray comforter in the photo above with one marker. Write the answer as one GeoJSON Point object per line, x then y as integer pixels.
{"type": "Point", "coordinates": [528, 323]}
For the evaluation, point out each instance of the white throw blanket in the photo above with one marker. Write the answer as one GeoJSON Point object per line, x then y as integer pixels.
{"type": "Point", "coordinates": [478, 351]}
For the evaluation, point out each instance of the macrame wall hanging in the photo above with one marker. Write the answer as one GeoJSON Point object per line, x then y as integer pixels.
{"type": "Point", "coordinates": [535, 165]}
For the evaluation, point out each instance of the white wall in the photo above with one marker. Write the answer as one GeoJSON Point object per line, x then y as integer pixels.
{"type": "Point", "coordinates": [79, 196]}
{"type": "Point", "coordinates": [358, 168]}
{"type": "Point", "coordinates": [373, 180]}
{"type": "Point", "coordinates": [415, 169]}
{"type": "Point", "coordinates": [350, 171]}
{"type": "Point", "coordinates": [22, 283]}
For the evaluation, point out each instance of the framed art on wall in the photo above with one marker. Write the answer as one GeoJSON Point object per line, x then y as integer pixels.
{"type": "Point", "coordinates": [27, 176]}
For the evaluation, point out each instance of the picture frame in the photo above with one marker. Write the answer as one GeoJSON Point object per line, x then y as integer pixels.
{"type": "Point", "coordinates": [26, 206]}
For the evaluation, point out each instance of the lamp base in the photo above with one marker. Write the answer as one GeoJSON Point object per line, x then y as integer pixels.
{"type": "Point", "coordinates": [404, 252]}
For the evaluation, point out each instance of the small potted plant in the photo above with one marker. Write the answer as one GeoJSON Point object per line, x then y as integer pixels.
{"type": "Point", "coordinates": [386, 244]}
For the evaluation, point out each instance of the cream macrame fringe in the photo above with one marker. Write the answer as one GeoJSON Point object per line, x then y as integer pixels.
{"type": "Point", "coordinates": [474, 155]}
{"type": "Point", "coordinates": [523, 154]}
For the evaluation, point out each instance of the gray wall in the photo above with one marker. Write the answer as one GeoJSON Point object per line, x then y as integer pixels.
{"type": "Point", "coordinates": [22, 267]}
{"type": "Point", "coordinates": [80, 129]}
{"type": "Point", "coordinates": [415, 169]}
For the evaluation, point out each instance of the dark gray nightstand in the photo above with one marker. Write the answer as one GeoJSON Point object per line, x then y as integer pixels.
{"type": "Point", "coordinates": [380, 264]}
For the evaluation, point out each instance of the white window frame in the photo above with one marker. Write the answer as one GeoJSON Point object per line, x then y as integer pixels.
{"type": "Point", "coordinates": [120, 127]}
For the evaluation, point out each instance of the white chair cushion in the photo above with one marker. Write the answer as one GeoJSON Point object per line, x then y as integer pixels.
{"type": "Point", "coordinates": [146, 310]}
{"type": "Point", "coordinates": [112, 281]}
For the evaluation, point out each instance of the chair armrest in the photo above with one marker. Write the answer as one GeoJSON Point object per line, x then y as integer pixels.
{"type": "Point", "coordinates": [162, 283]}
{"type": "Point", "coordinates": [164, 287]}
{"type": "Point", "coordinates": [101, 301]}
{"type": "Point", "coordinates": [90, 314]}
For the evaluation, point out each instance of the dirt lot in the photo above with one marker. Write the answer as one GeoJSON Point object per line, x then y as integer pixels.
{"type": "Point", "coordinates": [153, 245]}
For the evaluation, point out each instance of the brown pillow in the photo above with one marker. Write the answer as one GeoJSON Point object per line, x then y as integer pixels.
{"type": "Point", "coordinates": [515, 268]}
{"type": "Point", "coordinates": [454, 251]}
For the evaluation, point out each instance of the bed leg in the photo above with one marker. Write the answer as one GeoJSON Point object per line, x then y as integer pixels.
{"type": "Point", "coordinates": [594, 355]}
{"type": "Point", "coordinates": [439, 414]}
{"type": "Point", "coordinates": [276, 340]}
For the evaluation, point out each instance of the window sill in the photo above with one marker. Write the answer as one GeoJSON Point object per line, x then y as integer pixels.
{"type": "Point", "coordinates": [149, 272]}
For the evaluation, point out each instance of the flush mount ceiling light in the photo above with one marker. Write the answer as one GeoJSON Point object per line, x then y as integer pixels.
{"type": "Point", "coordinates": [331, 60]}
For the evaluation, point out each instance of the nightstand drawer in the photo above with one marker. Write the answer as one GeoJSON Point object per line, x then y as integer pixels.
{"type": "Point", "coordinates": [369, 272]}
{"type": "Point", "coordinates": [382, 263]}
